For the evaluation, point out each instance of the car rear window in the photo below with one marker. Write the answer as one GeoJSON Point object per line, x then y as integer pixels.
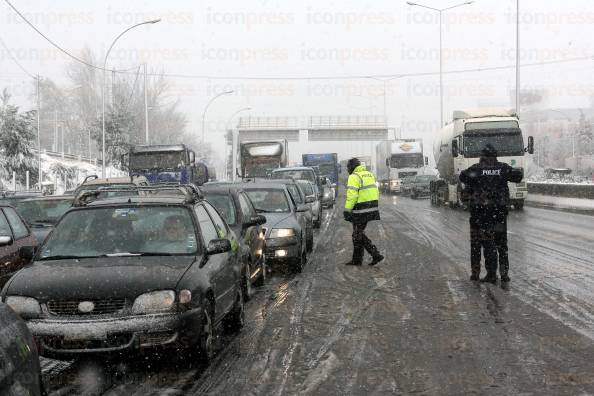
{"type": "Point", "coordinates": [43, 211]}
{"type": "Point", "coordinates": [224, 204]}
{"type": "Point", "coordinates": [304, 174]}
{"type": "Point", "coordinates": [269, 200]}
{"type": "Point", "coordinates": [148, 230]}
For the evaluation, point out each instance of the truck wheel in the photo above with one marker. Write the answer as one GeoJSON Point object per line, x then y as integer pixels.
{"type": "Point", "coordinates": [519, 205]}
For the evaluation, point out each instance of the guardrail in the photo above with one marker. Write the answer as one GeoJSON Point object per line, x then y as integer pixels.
{"type": "Point", "coordinates": [585, 191]}
{"type": "Point", "coordinates": [76, 157]}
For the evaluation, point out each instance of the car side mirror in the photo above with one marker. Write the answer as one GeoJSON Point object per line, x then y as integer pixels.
{"type": "Point", "coordinates": [426, 161]}
{"type": "Point", "coordinates": [254, 221]}
{"type": "Point", "coordinates": [218, 246]}
{"type": "Point", "coordinates": [530, 148]}
{"type": "Point", "coordinates": [387, 162]}
{"type": "Point", "coordinates": [192, 157]}
{"type": "Point", "coordinates": [5, 240]}
{"type": "Point", "coordinates": [310, 199]}
{"type": "Point", "coordinates": [454, 148]}
{"type": "Point", "coordinates": [302, 208]}
{"type": "Point", "coordinates": [27, 252]}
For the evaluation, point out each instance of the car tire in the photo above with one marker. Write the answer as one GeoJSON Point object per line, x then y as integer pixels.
{"type": "Point", "coordinates": [246, 284]}
{"type": "Point", "coordinates": [207, 335]}
{"type": "Point", "coordinates": [310, 242]}
{"type": "Point", "coordinates": [235, 319]}
{"type": "Point", "coordinates": [300, 262]}
{"type": "Point", "coordinates": [262, 278]}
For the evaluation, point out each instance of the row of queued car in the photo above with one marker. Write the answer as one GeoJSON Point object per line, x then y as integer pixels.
{"type": "Point", "coordinates": [122, 265]}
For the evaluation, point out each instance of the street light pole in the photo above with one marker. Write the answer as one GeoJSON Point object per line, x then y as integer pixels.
{"type": "Point", "coordinates": [440, 11]}
{"type": "Point", "coordinates": [39, 176]}
{"type": "Point", "coordinates": [146, 122]}
{"type": "Point", "coordinates": [206, 108]}
{"type": "Point", "coordinates": [103, 159]}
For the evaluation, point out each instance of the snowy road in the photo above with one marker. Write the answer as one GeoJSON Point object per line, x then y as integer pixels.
{"type": "Point", "coordinates": [414, 324]}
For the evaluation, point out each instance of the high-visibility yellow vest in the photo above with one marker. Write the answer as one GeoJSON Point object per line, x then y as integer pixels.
{"type": "Point", "coordinates": [362, 195]}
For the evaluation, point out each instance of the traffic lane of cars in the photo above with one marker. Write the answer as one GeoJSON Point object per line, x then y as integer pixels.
{"type": "Point", "coordinates": [95, 295]}
{"type": "Point", "coordinates": [162, 372]}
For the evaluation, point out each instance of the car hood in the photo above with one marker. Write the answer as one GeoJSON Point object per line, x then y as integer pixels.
{"type": "Point", "coordinates": [278, 220]}
{"type": "Point", "coordinates": [96, 278]}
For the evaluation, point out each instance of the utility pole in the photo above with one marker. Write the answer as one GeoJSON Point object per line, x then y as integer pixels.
{"type": "Point", "coordinates": [39, 131]}
{"type": "Point", "coordinates": [55, 143]}
{"type": "Point", "coordinates": [518, 58]}
{"type": "Point", "coordinates": [146, 122]}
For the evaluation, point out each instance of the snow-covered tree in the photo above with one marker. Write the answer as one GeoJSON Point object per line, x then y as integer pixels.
{"type": "Point", "coordinates": [17, 139]}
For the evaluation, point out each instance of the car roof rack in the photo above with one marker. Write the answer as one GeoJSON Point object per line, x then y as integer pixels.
{"type": "Point", "coordinates": [190, 192]}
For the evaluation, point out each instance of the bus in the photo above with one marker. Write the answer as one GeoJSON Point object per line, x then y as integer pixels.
{"type": "Point", "coordinates": [174, 163]}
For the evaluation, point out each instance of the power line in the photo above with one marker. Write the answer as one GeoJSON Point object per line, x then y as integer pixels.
{"type": "Point", "coordinates": [295, 78]}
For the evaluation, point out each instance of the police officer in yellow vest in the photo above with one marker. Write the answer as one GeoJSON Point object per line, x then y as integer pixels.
{"type": "Point", "coordinates": [361, 207]}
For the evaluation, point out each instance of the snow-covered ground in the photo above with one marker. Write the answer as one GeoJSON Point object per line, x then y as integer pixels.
{"type": "Point", "coordinates": [579, 204]}
{"type": "Point", "coordinates": [81, 169]}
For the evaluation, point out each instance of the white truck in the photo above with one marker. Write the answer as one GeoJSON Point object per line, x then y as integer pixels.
{"type": "Point", "coordinates": [459, 146]}
{"type": "Point", "coordinates": [397, 159]}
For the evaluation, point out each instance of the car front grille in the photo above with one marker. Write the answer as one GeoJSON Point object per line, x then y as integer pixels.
{"type": "Point", "coordinates": [101, 307]}
{"type": "Point", "coordinates": [61, 343]}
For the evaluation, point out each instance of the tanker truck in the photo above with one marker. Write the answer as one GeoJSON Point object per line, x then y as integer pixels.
{"type": "Point", "coordinates": [459, 146]}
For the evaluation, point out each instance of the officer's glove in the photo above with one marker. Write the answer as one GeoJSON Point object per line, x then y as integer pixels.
{"type": "Point", "coordinates": [348, 215]}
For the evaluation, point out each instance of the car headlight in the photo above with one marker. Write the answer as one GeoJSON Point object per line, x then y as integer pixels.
{"type": "Point", "coordinates": [26, 307]}
{"type": "Point", "coordinates": [154, 302]}
{"type": "Point", "coordinates": [282, 232]}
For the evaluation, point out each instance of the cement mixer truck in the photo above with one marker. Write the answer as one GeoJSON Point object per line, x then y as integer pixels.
{"type": "Point", "coordinates": [459, 146]}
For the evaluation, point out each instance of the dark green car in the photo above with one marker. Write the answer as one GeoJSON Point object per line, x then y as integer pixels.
{"type": "Point", "coordinates": [419, 186]}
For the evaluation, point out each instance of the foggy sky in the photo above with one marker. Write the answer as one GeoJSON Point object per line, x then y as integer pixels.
{"type": "Point", "coordinates": [315, 38]}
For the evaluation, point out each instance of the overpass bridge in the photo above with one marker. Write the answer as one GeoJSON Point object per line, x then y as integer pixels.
{"type": "Point", "coordinates": [345, 135]}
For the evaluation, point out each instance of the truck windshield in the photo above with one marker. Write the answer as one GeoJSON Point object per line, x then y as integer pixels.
{"type": "Point", "coordinates": [406, 160]}
{"type": "Point", "coordinates": [507, 143]}
{"type": "Point", "coordinates": [259, 167]}
{"type": "Point", "coordinates": [157, 160]}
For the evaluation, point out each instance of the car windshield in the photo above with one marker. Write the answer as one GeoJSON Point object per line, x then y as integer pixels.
{"type": "Point", "coordinates": [224, 204]}
{"type": "Point", "coordinates": [269, 200]}
{"type": "Point", "coordinates": [299, 174]}
{"type": "Point", "coordinates": [43, 211]}
{"type": "Point", "coordinates": [95, 232]}
{"type": "Point", "coordinates": [424, 179]}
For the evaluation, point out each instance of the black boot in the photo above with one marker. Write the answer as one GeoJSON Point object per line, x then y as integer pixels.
{"type": "Point", "coordinates": [490, 278]}
{"type": "Point", "coordinates": [505, 277]}
{"type": "Point", "coordinates": [474, 276]}
{"type": "Point", "coordinates": [376, 259]}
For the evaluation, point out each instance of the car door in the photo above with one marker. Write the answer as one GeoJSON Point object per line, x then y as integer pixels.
{"type": "Point", "coordinates": [22, 236]}
{"type": "Point", "coordinates": [231, 272]}
{"type": "Point", "coordinates": [251, 235]}
{"type": "Point", "coordinates": [8, 252]}
{"type": "Point", "coordinates": [216, 264]}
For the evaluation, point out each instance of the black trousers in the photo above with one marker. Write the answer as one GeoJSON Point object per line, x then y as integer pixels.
{"type": "Point", "coordinates": [361, 243]}
{"type": "Point", "coordinates": [501, 244]}
{"type": "Point", "coordinates": [483, 241]}
{"type": "Point", "coordinates": [492, 240]}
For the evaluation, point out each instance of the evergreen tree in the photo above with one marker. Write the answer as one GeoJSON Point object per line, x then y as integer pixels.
{"type": "Point", "coordinates": [17, 136]}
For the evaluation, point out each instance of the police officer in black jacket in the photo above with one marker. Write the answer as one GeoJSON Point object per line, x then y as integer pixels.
{"type": "Point", "coordinates": [487, 193]}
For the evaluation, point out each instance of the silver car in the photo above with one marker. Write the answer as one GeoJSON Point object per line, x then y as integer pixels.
{"type": "Point", "coordinates": [313, 200]}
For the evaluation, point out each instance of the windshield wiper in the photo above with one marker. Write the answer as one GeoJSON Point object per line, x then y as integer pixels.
{"type": "Point", "coordinates": [152, 254]}
{"type": "Point", "coordinates": [43, 222]}
{"type": "Point", "coordinates": [121, 254]}
{"type": "Point", "coordinates": [63, 257]}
